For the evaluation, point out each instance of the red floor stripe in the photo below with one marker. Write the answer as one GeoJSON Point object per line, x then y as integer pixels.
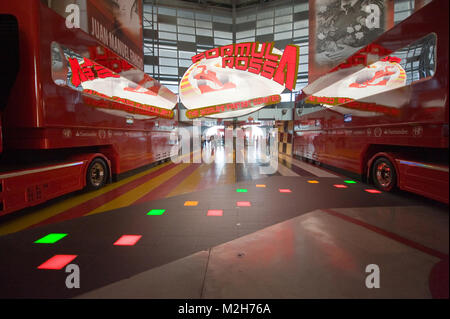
{"type": "Point", "coordinates": [96, 202]}
{"type": "Point", "coordinates": [400, 239]}
{"type": "Point", "coordinates": [164, 189]}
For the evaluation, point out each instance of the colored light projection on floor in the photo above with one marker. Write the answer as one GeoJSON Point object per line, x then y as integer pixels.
{"type": "Point", "coordinates": [260, 185]}
{"type": "Point", "coordinates": [50, 238]}
{"type": "Point", "coordinates": [190, 203]}
{"type": "Point", "coordinates": [57, 262]}
{"type": "Point", "coordinates": [127, 240]}
{"type": "Point", "coordinates": [241, 190]}
{"type": "Point", "coordinates": [340, 186]}
{"type": "Point", "coordinates": [373, 191]}
{"type": "Point", "coordinates": [215, 212]}
{"type": "Point", "coordinates": [313, 182]}
{"type": "Point", "coordinates": [285, 190]}
{"type": "Point", "coordinates": [350, 182]}
{"type": "Point", "coordinates": [156, 212]}
{"type": "Point", "coordinates": [243, 204]}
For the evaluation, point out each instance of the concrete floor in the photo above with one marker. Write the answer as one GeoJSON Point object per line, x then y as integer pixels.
{"type": "Point", "coordinates": [312, 242]}
{"type": "Point", "coordinates": [315, 255]}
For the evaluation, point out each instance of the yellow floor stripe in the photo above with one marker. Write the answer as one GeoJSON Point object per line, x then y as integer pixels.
{"type": "Point", "coordinates": [133, 195]}
{"type": "Point", "coordinates": [189, 184]}
{"type": "Point", "coordinates": [35, 217]}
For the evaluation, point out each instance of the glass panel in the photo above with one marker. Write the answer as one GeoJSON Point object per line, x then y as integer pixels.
{"type": "Point", "coordinates": [301, 33]}
{"type": "Point", "coordinates": [186, 54]}
{"type": "Point", "coordinates": [244, 34]}
{"type": "Point", "coordinates": [168, 36]}
{"type": "Point", "coordinates": [245, 17]}
{"type": "Point", "coordinates": [222, 19]}
{"type": "Point", "coordinates": [185, 14]}
{"type": "Point", "coordinates": [204, 32]}
{"type": "Point", "coordinates": [301, 24]}
{"type": "Point", "coordinates": [303, 58]}
{"type": "Point", "coordinates": [202, 16]}
{"type": "Point", "coordinates": [267, 30]}
{"type": "Point", "coordinates": [265, 14]}
{"type": "Point", "coordinates": [187, 22]}
{"type": "Point", "coordinates": [188, 30]}
{"type": "Point", "coordinates": [167, 53]}
{"type": "Point", "coordinates": [222, 34]}
{"type": "Point", "coordinates": [203, 24]}
{"type": "Point", "coordinates": [283, 35]}
{"type": "Point", "coordinates": [303, 68]}
{"type": "Point", "coordinates": [148, 69]}
{"type": "Point", "coordinates": [167, 61]}
{"type": "Point", "coordinates": [264, 23]}
{"type": "Point", "coordinates": [168, 70]}
{"type": "Point", "coordinates": [283, 11]}
{"type": "Point", "coordinates": [186, 37]}
{"type": "Point", "coordinates": [249, 39]}
{"type": "Point", "coordinates": [221, 42]}
{"type": "Point", "coordinates": [167, 11]}
{"type": "Point", "coordinates": [167, 27]}
{"type": "Point", "coordinates": [185, 63]}
{"type": "Point", "coordinates": [301, 7]}
{"type": "Point", "coordinates": [283, 19]}
{"type": "Point", "coordinates": [283, 27]}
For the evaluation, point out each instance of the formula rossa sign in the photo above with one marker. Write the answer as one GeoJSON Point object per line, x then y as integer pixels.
{"type": "Point", "coordinates": [238, 79]}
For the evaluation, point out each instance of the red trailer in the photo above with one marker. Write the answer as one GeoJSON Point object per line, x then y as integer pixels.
{"type": "Point", "coordinates": [383, 113]}
{"type": "Point", "coordinates": [73, 113]}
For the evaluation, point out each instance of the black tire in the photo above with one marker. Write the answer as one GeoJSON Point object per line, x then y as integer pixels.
{"type": "Point", "coordinates": [384, 175]}
{"type": "Point", "coordinates": [97, 174]}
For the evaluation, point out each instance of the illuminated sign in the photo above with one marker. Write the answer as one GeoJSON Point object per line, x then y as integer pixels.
{"type": "Point", "coordinates": [238, 79]}
{"type": "Point", "coordinates": [215, 109]}
{"type": "Point", "coordinates": [131, 91]}
{"type": "Point", "coordinates": [126, 105]}
{"type": "Point", "coordinates": [352, 104]}
{"type": "Point", "coordinates": [381, 76]}
{"type": "Point", "coordinates": [258, 59]}
{"type": "Point", "coordinates": [88, 71]}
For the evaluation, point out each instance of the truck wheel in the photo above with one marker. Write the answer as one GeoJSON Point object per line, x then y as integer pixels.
{"type": "Point", "coordinates": [97, 174]}
{"type": "Point", "coordinates": [384, 175]}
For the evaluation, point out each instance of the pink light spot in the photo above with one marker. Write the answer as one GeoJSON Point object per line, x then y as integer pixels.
{"type": "Point", "coordinates": [215, 212]}
{"type": "Point", "coordinates": [127, 240]}
{"type": "Point", "coordinates": [243, 204]}
{"type": "Point", "coordinates": [285, 191]}
{"type": "Point", "coordinates": [340, 186]}
{"type": "Point", "coordinates": [57, 262]}
{"type": "Point", "coordinates": [373, 191]}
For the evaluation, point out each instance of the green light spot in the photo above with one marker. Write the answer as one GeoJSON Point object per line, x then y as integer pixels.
{"type": "Point", "coordinates": [241, 190]}
{"type": "Point", "coordinates": [156, 212]}
{"type": "Point", "coordinates": [350, 182]}
{"type": "Point", "coordinates": [50, 239]}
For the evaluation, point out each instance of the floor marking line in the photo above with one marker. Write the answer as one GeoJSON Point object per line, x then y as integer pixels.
{"type": "Point", "coordinates": [186, 185]}
{"type": "Point", "coordinates": [45, 213]}
{"type": "Point", "coordinates": [398, 238]}
{"type": "Point", "coordinates": [133, 195]}
{"type": "Point", "coordinates": [162, 190]}
{"type": "Point", "coordinates": [96, 202]}
{"type": "Point", "coordinates": [317, 171]}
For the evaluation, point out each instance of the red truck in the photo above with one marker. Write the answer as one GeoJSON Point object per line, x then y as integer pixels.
{"type": "Point", "coordinates": [383, 113]}
{"type": "Point", "coordinates": [73, 114]}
